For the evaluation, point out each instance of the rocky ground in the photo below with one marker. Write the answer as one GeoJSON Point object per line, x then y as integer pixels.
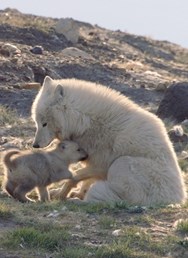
{"type": "Point", "coordinates": [31, 47]}
{"type": "Point", "coordinates": [137, 66]}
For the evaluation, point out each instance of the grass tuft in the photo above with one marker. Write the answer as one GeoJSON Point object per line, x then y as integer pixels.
{"type": "Point", "coordinates": [106, 222]}
{"type": "Point", "coordinates": [7, 116]}
{"type": "Point", "coordinates": [43, 238]}
{"type": "Point", "coordinates": [182, 226]}
{"type": "Point", "coordinates": [5, 211]}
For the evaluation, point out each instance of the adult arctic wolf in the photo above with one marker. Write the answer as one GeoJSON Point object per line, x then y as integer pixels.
{"type": "Point", "coordinates": [25, 170]}
{"type": "Point", "coordinates": [128, 147]}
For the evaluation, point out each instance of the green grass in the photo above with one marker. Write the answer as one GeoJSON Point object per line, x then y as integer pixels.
{"type": "Point", "coordinates": [136, 243]}
{"type": "Point", "coordinates": [106, 222]}
{"type": "Point", "coordinates": [97, 207]}
{"type": "Point", "coordinates": [76, 252]}
{"type": "Point", "coordinates": [182, 226]}
{"type": "Point", "coordinates": [5, 211]}
{"type": "Point", "coordinates": [35, 232]}
{"type": "Point", "coordinates": [40, 236]}
{"type": "Point", "coordinates": [183, 165]}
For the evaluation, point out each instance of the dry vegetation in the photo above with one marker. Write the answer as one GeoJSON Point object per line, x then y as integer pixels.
{"type": "Point", "coordinates": [20, 20]}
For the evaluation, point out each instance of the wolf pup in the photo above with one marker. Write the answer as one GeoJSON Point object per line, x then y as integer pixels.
{"type": "Point", "coordinates": [25, 170]}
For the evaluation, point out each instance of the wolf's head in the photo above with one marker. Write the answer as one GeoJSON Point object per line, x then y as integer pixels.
{"type": "Point", "coordinates": [55, 115]}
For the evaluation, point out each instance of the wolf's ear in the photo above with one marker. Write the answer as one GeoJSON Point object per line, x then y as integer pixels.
{"type": "Point", "coordinates": [47, 80]}
{"type": "Point", "coordinates": [59, 92]}
{"type": "Point", "coordinates": [48, 83]}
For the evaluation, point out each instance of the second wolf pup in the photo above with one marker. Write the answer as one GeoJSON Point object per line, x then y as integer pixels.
{"type": "Point", "coordinates": [25, 170]}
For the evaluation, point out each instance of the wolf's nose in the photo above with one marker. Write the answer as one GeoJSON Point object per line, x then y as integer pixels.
{"type": "Point", "coordinates": [84, 158]}
{"type": "Point", "coordinates": [36, 146]}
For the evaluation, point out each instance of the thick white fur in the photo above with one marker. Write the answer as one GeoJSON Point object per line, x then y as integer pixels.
{"type": "Point", "coordinates": [127, 145]}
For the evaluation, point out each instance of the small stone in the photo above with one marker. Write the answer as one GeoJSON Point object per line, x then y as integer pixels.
{"type": "Point", "coordinates": [38, 50]}
{"type": "Point", "coordinates": [78, 227]}
{"type": "Point", "coordinates": [117, 232]}
{"type": "Point", "coordinates": [162, 87]}
{"type": "Point", "coordinates": [53, 214]}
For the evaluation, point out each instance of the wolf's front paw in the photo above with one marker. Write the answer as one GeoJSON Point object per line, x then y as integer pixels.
{"type": "Point", "coordinates": [61, 193]}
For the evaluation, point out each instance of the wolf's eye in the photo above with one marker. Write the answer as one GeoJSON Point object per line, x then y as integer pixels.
{"type": "Point", "coordinates": [45, 124]}
{"type": "Point", "coordinates": [78, 149]}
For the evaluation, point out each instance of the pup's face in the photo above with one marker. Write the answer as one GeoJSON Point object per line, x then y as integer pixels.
{"type": "Point", "coordinates": [72, 151]}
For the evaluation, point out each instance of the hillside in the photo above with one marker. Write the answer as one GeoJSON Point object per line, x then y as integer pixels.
{"type": "Point", "coordinates": [137, 66]}
{"type": "Point", "coordinates": [32, 47]}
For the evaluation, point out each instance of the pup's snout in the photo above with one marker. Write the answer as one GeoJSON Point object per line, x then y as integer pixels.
{"type": "Point", "coordinates": [35, 145]}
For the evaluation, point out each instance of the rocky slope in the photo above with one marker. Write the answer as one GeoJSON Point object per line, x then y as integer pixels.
{"type": "Point", "coordinates": [31, 48]}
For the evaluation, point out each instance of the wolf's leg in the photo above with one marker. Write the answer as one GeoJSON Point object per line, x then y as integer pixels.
{"type": "Point", "coordinates": [43, 194]}
{"type": "Point", "coordinates": [101, 192]}
{"type": "Point", "coordinates": [124, 182]}
{"type": "Point", "coordinates": [61, 192]}
{"type": "Point", "coordinates": [21, 191]}
{"type": "Point", "coordinates": [140, 181]}
{"type": "Point", "coordinates": [81, 189]}
{"type": "Point", "coordinates": [79, 175]}
{"type": "Point", "coordinates": [9, 186]}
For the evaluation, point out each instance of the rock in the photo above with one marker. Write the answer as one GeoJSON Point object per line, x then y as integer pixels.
{"type": "Point", "coordinates": [174, 105]}
{"type": "Point", "coordinates": [9, 50]}
{"type": "Point", "coordinates": [75, 52]}
{"type": "Point", "coordinates": [39, 73]}
{"type": "Point", "coordinates": [69, 28]}
{"type": "Point", "coordinates": [38, 50]}
{"type": "Point", "coordinates": [178, 137]}
{"type": "Point", "coordinates": [53, 214]}
{"type": "Point", "coordinates": [183, 155]}
{"type": "Point", "coordinates": [162, 86]}
{"type": "Point", "coordinates": [185, 122]}
{"type": "Point", "coordinates": [133, 65]}
{"type": "Point", "coordinates": [153, 74]}
{"type": "Point", "coordinates": [31, 85]}
{"type": "Point", "coordinates": [117, 232]}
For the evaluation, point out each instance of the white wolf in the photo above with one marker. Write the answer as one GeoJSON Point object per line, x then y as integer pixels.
{"type": "Point", "coordinates": [128, 147]}
{"type": "Point", "coordinates": [25, 170]}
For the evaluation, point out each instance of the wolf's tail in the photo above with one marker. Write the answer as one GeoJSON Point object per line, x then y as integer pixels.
{"type": "Point", "coordinates": [7, 158]}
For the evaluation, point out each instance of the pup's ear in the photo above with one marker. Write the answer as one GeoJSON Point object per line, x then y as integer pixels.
{"type": "Point", "coordinates": [59, 92]}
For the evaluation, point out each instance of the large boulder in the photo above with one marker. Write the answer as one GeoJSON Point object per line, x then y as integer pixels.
{"type": "Point", "coordinates": [174, 105]}
{"type": "Point", "coordinates": [69, 28]}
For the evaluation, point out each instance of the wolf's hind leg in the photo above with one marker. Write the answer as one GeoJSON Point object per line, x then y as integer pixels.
{"type": "Point", "coordinates": [9, 186]}
{"type": "Point", "coordinates": [43, 194]}
{"type": "Point", "coordinates": [21, 191]}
